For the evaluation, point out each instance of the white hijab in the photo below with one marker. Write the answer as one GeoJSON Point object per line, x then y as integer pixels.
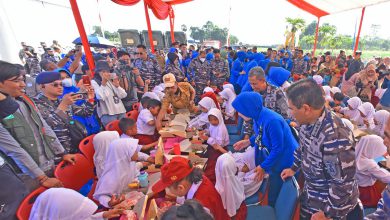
{"type": "Point", "coordinates": [229, 86]}
{"type": "Point", "coordinates": [367, 109]}
{"type": "Point", "coordinates": [369, 148]}
{"type": "Point", "coordinates": [119, 169]}
{"type": "Point", "coordinates": [228, 185]}
{"type": "Point", "coordinates": [62, 204]}
{"type": "Point", "coordinates": [335, 90]}
{"type": "Point", "coordinates": [202, 119]}
{"type": "Point", "coordinates": [101, 142]}
{"type": "Point", "coordinates": [354, 114]}
{"type": "Point", "coordinates": [318, 79]}
{"type": "Point", "coordinates": [151, 95]}
{"type": "Point", "coordinates": [159, 91]}
{"type": "Point", "coordinates": [218, 134]}
{"type": "Point", "coordinates": [327, 93]}
{"type": "Point", "coordinates": [381, 117]}
{"type": "Point", "coordinates": [208, 89]}
{"type": "Point", "coordinates": [229, 95]}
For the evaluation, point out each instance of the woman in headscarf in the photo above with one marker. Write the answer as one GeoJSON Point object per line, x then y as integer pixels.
{"type": "Point", "coordinates": [328, 97]}
{"type": "Point", "coordinates": [217, 138]}
{"type": "Point", "coordinates": [380, 119]}
{"type": "Point", "coordinates": [255, 60]}
{"type": "Point", "coordinates": [208, 89]}
{"type": "Point", "coordinates": [205, 104]}
{"type": "Point", "coordinates": [351, 112]}
{"type": "Point", "coordinates": [120, 169]}
{"type": "Point", "coordinates": [174, 68]}
{"type": "Point", "coordinates": [237, 67]}
{"type": "Point", "coordinates": [228, 97]}
{"type": "Point", "coordinates": [271, 133]}
{"type": "Point", "coordinates": [286, 62]}
{"type": "Point", "coordinates": [319, 80]}
{"type": "Point", "coordinates": [367, 112]}
{"type": "Point", "coordinates": [229, 86]}
{"type": "Point", "coordinates": [101, 143]}
{"type": "Point", "coordinates": [67, 204]}
{"type": "Point", "coordinates": [213, 96]}
{"type": "Point", "coordinates": [326, 69]}
{"type": "Point", "coordinates": [368, 171]}
{"type": "Point", "coordinates": [230, 188]}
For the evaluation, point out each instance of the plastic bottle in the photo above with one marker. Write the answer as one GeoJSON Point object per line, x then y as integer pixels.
{"type": "Point", "coordinates": [143, 179]}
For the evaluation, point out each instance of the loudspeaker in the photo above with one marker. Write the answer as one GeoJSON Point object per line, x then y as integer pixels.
{"type": "Point", "coordinates": [129, 37]}
{"type": "Point", "coordinates": [158, 39]}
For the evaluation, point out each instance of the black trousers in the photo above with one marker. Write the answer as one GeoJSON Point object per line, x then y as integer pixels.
{"type": "Point", "coordinates": [12, 192]}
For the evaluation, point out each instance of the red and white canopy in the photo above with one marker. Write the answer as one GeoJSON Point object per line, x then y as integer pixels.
{"type": "Point", "coordinates": [321, 8]}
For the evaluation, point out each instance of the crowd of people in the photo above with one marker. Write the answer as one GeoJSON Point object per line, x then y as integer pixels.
{"type": "Point", "coordinates": [300, 115]}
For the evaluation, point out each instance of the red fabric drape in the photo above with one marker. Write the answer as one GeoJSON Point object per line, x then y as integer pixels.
{"type": "Point", "coordinates": [126, 2]}
{"type": "Point", "coordinates": [308, 7]}
{"type": "Point", "coordinates": [172, 24]}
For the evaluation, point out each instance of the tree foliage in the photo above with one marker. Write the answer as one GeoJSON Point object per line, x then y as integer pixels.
{"type": "Point", "coordinates": [296, 23]}
{"type": "Point", "coordinates": [211, 31]}
{"type": "Point", "coordinates": [112, 36]}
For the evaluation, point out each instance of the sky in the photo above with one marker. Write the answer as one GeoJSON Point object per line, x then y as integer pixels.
{"type": "Point", "coordinates": [259, 22]}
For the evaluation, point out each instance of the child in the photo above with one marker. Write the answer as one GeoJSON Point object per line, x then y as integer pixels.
{"type": "Point", "coordinates": [217, 141]}
{"type": "Point", "coordinates": [146, 124]}
{"type": "Point", "coordinates": [101, 142]}
{"type": "Point", "coordinates": [184, 180]}
{"type": "Point", "coordinates": [205, 104]}
{"type": "Point", "coordinates": [62, 203]}
{"type": "Point", "coordinates": [230, 188]}
{"type": "Point", "coordinates": [367, 112]}
{"type": "Point", "coordinates": [351, 112]}
{"type": "Point", "coordinates": [368, 171]}
{"type": "Point", "coordinates": [120, 169]}
{"type": "Point", "coordinates": [213, 96]}
{"type": "Point", "coordinates": [228, 97]}
{"type": "Point", "coordinates": [380, 119]}
{"type": "Point", "coordinates": [144, 103]}
{"type": "Point", "coordinates": [129, 129]}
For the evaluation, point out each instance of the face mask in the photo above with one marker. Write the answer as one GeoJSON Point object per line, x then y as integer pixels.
{"type": "Point", "coordinates": [202, 59]}
{"type": "Point", "coordinates": [67, 82]}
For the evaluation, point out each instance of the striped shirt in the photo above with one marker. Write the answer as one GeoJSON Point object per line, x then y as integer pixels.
{"type": "Point", "coordinates": [327, 159]}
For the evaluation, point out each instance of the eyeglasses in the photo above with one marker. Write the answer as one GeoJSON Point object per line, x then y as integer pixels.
{"type": "Point", "coordinates": [56, 84]}
{"type": "Point", "coordinates": [140, 53]}
{"type": "Point", "coordinates": [18, 80]}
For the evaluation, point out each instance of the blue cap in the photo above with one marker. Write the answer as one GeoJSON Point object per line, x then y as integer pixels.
{"type": "Point", "coordinates": [47, 77]}
{"type": "Point", "coordinates": [63, 70]}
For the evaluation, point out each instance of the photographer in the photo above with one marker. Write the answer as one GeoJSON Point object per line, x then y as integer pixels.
{"type": "Point", "coordinates": [58, 112]}
{"type": "Point", "coordinates": [129, 78]}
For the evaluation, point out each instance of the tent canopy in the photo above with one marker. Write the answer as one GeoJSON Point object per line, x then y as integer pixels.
{"type": "Point", "coordinates": [321, 8]}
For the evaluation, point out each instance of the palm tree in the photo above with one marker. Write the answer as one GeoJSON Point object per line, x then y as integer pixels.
{"type": "Point", "coordinates": [296, 24]}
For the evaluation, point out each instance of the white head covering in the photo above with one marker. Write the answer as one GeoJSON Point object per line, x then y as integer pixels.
{"type": "Point", "coordinates": [119, 169]}
{"type": "Point", "coordinates": [348, 123]}
{"type": "Point", "coordinates": [327, 93]}
{"type": "Point", "coordinates": [228, 185]}
{"type": "Point", "coordinates": [208, 89]}
{"type": "Point", "coordinates": [202, 119]}
{"type": "Point", "coordinates": [368, 110]}
{"type": "Point", "coordinates": [101, 142]}
{"type": "Point", "coordinates": [353, 114]}
{"type": "Point", "coordinates": [335, 90]}
{"type": "Point", "coordinates": [369, 148]}
{"type": "Point", "coordinates": [319, 80]}
{"type": "Point", "coordinates": [159, 90]}
{"type": "Point", "coordinates": [381, 117]}
{"type": "Point", "coordinates": [219, 133]}
{"type": "Point", "coordinates": [229, 95]}
{"type": "Point", "coordinates": [151, 95]}
{"type": "Point", "coordinates": [62, 203]}
{"type": "Point", "coordinates": [229, 86]}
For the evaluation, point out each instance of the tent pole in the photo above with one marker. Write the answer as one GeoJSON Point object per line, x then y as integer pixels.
{"type": "Point", "coordinates": [360, 28]}
{"type": "Point", "coordinates": [172, 25]}
{"type": "Point", "coordinates": [149, 28]}
{"type": "Point", "coordinates": [83, 35]}
{"type": "Point", "coordinates": [316, 37]}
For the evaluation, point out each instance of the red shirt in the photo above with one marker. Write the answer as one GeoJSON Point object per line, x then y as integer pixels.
{"type": "Point", "coordinates": [209, 197]}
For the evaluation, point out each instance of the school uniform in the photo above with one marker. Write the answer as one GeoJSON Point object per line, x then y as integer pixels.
{"type": "Point", "coordinates": [368, 171]}
{"type": "Point", "coordinates": [202, 120]}
{"type": "Point", "coordinates": [229, 187]}
{"type": "Point", "coordinates": [146, 133]}
{"type": "Point", "coordinates": [101, 143]}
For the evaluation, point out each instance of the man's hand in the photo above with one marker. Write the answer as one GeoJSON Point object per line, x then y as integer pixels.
{"type": "Point", "coordinates": [286, 173]}
{"type": "Point", "coordinates": [115, 200]}
{"type": "Point", "coordinates": [259, 173]}
{"type": "Point", "coordinates": [158, 125]}
{"type": "Point", "coordinates": [70, 158]}
{"type": "Point", "coordinates": [52, 183]}
{"type": "Point", "coordinates": [241, 145]}
{"type": "Point", "coordinates": [151, 160]}
{"type": "Point", "coordinates": [147, 82]}
{"type": "Point", "coordinates": [319, 216]}
{"type": "Point", "coordinates": [113, 213]}
{"type": "Point", "coordinates": [115, 82]}
{"type": "Point", "coordinates": [90, 91]}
